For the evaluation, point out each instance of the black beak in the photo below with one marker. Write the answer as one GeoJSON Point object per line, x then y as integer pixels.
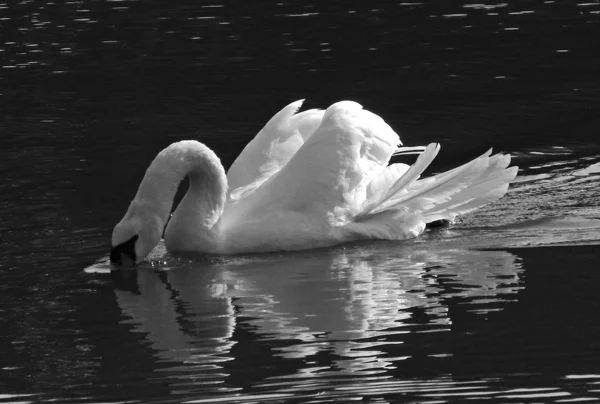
{"type": "Point", "coordinates": [124, 254]}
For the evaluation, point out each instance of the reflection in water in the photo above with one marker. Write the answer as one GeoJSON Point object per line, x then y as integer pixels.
{"type": "Point", "coordinates": [186, 318]}
{"type": "Point", "coordinates": [328, 313]}
{"type": "Point", "coordinates": [369, 321]}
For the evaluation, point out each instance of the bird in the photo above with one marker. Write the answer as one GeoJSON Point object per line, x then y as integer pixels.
{"type": "Point", "coordinates": [309, 179]}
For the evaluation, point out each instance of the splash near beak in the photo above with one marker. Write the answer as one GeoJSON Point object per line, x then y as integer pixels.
{"type": "Point", "coordinates": [124, 254]}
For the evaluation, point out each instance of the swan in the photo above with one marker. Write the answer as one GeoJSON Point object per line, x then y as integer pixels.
{"type": "Point", "coordinates": [309, 179]}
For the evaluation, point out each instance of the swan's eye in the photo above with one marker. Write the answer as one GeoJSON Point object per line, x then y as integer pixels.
{"type": "Point", "coordinates": [124, 253]}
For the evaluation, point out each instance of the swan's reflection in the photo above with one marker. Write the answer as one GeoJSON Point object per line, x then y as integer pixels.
{"type": "Point", "coordinates": [350, 304]}
{"type": "Point", "coordinates": [186, 318]}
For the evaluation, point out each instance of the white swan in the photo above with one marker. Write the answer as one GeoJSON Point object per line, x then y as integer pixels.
{"type": "Point", "coordinates": [309, 179]}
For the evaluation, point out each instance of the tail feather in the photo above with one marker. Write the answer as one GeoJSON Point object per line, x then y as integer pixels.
{"type": "Point", "coordinates": [470, 185]}
{"type": "Point", "coordinates": [409, 177]}
{"type": "Point", "coordinates": [420, 195]}
{"type": "Point", "coordinates": [485, 191]}
{"type": "Point", "coordinates": [405, 150]}
{"type": "Point", "coordinates": [443, 176]}
{"type": "Point", "coordinates": [441, 197]}
{"type": "Point", "coordinates": [385, 180]}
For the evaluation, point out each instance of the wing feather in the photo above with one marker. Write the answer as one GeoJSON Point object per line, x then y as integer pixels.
{"type": "Point", "coordinates": [449, 194]}
{"type": "Point", "coordinates": [326, 179]}
{"type": "Point", "coordinates": [272, 148]}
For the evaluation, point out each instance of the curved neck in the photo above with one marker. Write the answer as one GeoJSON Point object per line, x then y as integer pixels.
{"type": "Point", "coordinates": [204, 202]}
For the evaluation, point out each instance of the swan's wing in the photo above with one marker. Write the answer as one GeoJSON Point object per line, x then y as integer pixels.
{"type": "Point", "coordinates": [272, 148]}
{"type": "Point", "coordinates": [409, 203]}
{"type": "Point", "coordinates": [326, 180]}
{"type": "Point", "coordinates": [382, 183]}
{"type": "Point", "coordinates": [456, 191]}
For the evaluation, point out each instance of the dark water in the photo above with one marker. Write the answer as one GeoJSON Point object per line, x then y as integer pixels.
{"type": "Point", "coordinates": [503, 306]}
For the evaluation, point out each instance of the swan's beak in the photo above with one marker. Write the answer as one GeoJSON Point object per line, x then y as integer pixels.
{"type": "Point", "coordinates": [121, 259]}
{"type": "Point", "coordinates": [124, 254]}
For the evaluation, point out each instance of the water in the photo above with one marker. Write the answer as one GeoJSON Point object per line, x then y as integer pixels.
{"type": "Point", "coordinates": [502, 306]}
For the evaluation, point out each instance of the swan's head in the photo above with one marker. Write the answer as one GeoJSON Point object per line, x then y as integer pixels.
{"type": "Point", "coordinates": [134, 237]}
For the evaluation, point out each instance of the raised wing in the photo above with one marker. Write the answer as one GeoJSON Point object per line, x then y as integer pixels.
{"type": "Point", "coordinates": [326, 180]}
{"type": "Point", "coordinates": [272, 148]}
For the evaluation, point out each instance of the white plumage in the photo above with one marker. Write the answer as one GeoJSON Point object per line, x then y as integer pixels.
{"type": "Point", "coordinates": [309, 179]}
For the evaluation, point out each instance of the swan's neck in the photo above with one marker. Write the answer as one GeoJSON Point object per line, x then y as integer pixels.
{"type": "Point", "coordinates": [195, 219]}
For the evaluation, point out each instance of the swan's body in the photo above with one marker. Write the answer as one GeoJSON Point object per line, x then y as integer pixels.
{"type": "Point", "coordinates": [311, 179]}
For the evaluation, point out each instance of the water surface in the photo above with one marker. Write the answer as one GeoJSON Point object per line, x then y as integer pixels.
{"type": "Point", "coordinates": [501, 306]}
